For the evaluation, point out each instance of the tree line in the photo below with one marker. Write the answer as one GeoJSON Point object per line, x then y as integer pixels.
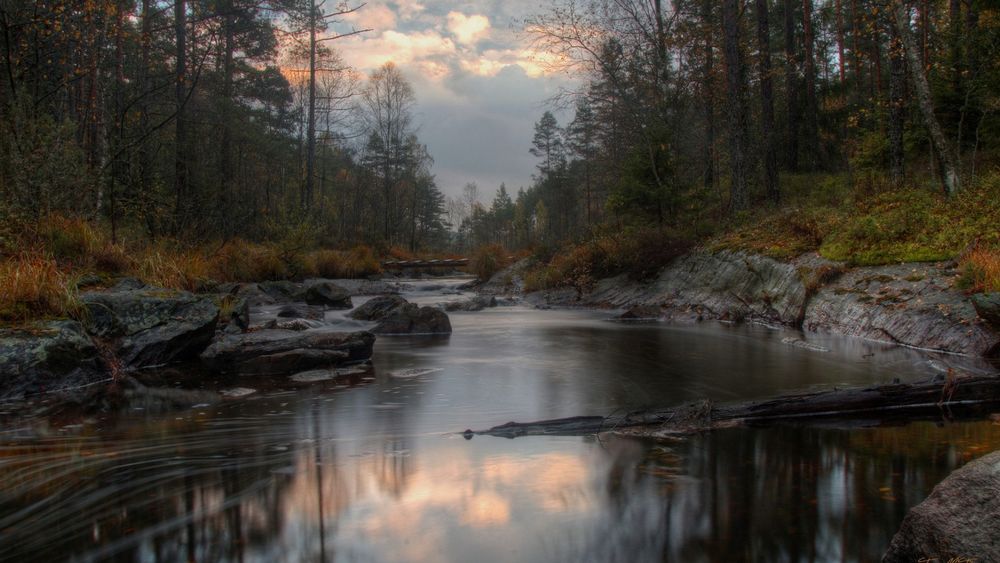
{"type": "Point", "coordinates": [700, 110]}
{"type": "Point", "coordinates": [206, 120]}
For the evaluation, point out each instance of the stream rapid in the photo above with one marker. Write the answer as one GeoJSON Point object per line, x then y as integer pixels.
{"type": "Point", "coordinates": [372, 467]}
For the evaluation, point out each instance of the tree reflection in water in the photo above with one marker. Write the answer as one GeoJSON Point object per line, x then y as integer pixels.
{"type": "Point", "coordinates": [297, 490]}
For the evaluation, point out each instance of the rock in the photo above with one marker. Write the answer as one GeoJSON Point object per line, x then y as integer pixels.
{"type": "Point", "coordinates": [508, 280]}
{"type": "Point", "coordinates": [377, 308]}
{"type": "Point", "coordinates": [957, 522]}
{"type": "Point", "coordinates": [477, 303]}
{"type": "Point", "coordinates": [396, 315]}
{"type": "Point", "coordinates": [914, 305]}
{"type": "Point", "coordinates": [987, 306]}
{"type": "Point", "coordinates": [641, 313]}
{"type": "Point", "coordinates": [327, 294]}
{"type": "Point", "coordinates": [413, 319]}
{"type": "Point", "coordinates": [282, 290]}
{"type": "Point", "coordinates": [150, 327]}
{"type": "Point", "coordinates": [52, 356]}
{"type": "Point", "coordinates": [276, 351]}
{"type": "Point", "coordinates": [727, 285]}
{"type": "Point", "coordinates": [294, 324]}
{"type": "Point", "coordinates": [294, 311]}
{"type": "Point", "coordinates": [128, 284]}
{"type": "Point", "coordinates": [88, 280]}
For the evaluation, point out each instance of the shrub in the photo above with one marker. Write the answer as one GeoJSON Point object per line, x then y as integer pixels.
{"type": "Point", "coordinates": [488, 260]}
{"type": "Point", "coordinates": [644, 253]}
{"type": "Point", "coordinates": [32, 286]}
{"type": "Point", "coordinates": [399, 253]}
{"type": "Point", "coordinates": [327, 263]}
{"type": "Point", "coordinates": [360, 262]}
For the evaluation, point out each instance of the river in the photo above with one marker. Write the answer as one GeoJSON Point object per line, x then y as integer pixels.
{"type": "Point", "coordinates": [375, 469]}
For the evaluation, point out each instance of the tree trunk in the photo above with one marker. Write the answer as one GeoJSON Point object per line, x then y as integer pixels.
{"type": "Point", "coordinates": [311, 124]}
{"type": "Point", "coordinates": [767, 104]}
{"type": "Point", "coordinates": [737, 105]}
{"type": "Point", "coordinates": [950, 176]}
{"type": "Point", "coordinates": [180, 120]}
{"type": "Point", "coordinates": [791, 90]}
{"type": "Point", "coordinates": [228, 99]}
{"type": "Point", "coordinates": [841, 61]}
{"type": "Point", "coordinates": [947, 398]}
{"type": "Point", "coordinates": [897, 107]}
{"type": "Point", "coordinates": [708, 93]}
{"type": "Point", "coordinates": [809, 68]}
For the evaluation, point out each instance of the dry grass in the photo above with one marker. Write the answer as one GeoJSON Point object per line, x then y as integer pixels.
{"type": "Point", "coordinates": [242, 261]}
{"type": "Point", "coordinates": [33, 287]}
{"type": "Point", "coordinates": [981, 270]}
{"type": "Point", "coordinates": [173, 269]}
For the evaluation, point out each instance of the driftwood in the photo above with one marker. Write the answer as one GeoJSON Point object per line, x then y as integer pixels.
{"type": "Point", "coordinates": [951, 397]}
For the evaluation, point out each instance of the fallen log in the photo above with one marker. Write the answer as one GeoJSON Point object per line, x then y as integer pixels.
{"type": "Point", "coordinates": [952, 397]}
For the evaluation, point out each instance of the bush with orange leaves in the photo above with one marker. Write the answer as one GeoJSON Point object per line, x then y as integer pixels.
{"type": "Point", "coordinates": [980, 269]}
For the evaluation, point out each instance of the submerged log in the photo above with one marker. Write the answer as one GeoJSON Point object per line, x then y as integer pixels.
{"type": "Point", "coordinates": [950, 397]}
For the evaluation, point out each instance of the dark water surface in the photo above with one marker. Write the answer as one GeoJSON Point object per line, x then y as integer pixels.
{"type": "Point", "coordinates": [374, 471]}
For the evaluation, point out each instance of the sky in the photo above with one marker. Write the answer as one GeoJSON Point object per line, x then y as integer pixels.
{"type": "Point", "coordinates": [479, 86]}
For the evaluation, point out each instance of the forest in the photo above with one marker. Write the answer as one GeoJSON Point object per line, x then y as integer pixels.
{"type": "Point", "coordinates": [767, 124]}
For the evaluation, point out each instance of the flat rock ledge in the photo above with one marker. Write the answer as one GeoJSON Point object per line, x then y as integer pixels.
{"type": "Point", "coordinates": [283, 352]}
{"type": "Point", "coordinates": [915, 305]}
{"type": "Point", "coordinates": [957, 522]}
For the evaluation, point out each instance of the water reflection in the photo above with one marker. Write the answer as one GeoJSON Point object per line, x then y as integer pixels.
{"type": "Point", "coordinates": [298, 491]}
{"type": "Point", "coordinates": [370, 473]}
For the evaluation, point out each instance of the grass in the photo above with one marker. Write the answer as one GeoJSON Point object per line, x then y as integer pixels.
{"type": "Point", "coordinates": [39, 270]}
{"type": "Point", "coordinates": [980, 270]}
{"type": "Point", "coordinates": [870, 224]}
{"type": "Point", "coordinates": [33, 287]}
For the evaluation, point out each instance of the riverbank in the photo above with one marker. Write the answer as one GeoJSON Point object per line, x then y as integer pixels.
{"type": "Point", "coordinates": [916, 305]}
{"type": "Point", "coordinates": [133, 343]}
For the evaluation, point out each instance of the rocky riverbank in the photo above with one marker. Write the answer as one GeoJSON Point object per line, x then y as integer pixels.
{"type": "Point", "coordinates": [915, 305]}
{"type": "Point", "coordinates": [270, 329]}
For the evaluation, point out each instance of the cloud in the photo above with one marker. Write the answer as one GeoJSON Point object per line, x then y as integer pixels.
{"type": "Point", "coordinates": [377, 17]}
{"type": "Point", "coordinates": [468, 29]}
{"type": "Point", "coordinates": [419, 47]}
{"type": "Point", "coordinates": [408, 8]}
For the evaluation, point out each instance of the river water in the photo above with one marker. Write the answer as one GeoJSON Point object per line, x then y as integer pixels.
{"type": "Point", "coordinates": [375, 469]}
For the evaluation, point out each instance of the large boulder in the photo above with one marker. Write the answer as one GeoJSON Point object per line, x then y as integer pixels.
{"type": "Point", "coordinates": [281, 352]}
{"type": "Point", "coordinates": [396, 315]}
{"type": "Point", "coordinates": [988, 308]}
{"type": "Point", "coordinates": [327, 294]}
{"type": "Point", "coordinates": [53, 356]}
{"type": "Point", "coordinates": [413, 319]}
{"type": "Point", "coordinates": [377, 308]}
{"type": "Point", "coordinates": [957, 522]}
{"type": "Point", "coordinates": [150, 327]}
